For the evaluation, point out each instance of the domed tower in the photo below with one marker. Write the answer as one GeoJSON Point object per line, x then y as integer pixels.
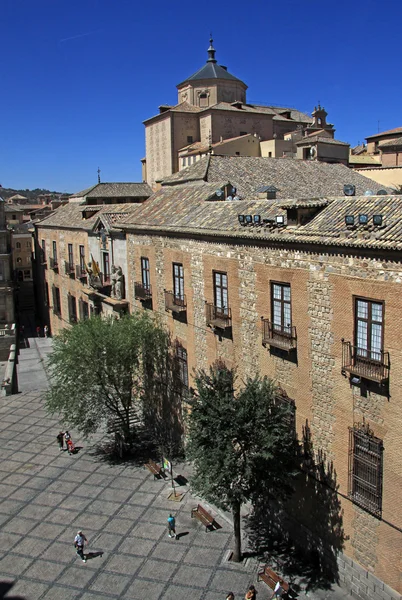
{"type": "Point", "coordinates": [211, 84]}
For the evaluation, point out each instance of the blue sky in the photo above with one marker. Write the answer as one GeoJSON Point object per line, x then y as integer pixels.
{"type": "Point", "coordinates": [79, 77]}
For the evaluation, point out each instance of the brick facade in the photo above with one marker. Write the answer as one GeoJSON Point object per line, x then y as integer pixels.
{"type": "Point", "coordinates": [323, 287]}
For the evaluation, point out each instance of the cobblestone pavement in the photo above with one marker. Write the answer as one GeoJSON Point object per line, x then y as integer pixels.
{"type": "Point", "coordinates": [47, 495]}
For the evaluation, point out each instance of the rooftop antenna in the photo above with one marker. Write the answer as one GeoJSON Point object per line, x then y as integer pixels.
{"type": "Point", "coordinates": [99, 172]}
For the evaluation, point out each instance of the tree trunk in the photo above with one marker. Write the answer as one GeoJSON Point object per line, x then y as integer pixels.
{"type": "Point", "coordinates": [237, 533]}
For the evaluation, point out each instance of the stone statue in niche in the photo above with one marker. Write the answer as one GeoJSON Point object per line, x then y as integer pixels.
{"type": "Point", "coordinates": [119, 286]}
{"type": "Point", "coordinates": [113, 282]}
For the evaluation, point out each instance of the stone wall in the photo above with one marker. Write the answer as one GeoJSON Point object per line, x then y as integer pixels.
{"type": "Point", "coordinates": [323, 287]}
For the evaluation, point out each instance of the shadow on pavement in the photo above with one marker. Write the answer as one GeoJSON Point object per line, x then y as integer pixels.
{"type": "Point", "coordinates": [5, 587]}
{"type": "Point", "coordinates": [301, 537]}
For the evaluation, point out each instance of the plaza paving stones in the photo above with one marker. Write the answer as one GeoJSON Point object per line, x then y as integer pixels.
{"type": "Point", "coordinates": [47, 495]}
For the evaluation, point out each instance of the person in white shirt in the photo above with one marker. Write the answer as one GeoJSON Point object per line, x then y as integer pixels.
{"type": "Point", "coordinates": [79, 542]}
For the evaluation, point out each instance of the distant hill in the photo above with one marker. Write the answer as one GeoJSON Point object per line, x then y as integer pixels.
{"type": "Point", "coordinates": [32, 195]}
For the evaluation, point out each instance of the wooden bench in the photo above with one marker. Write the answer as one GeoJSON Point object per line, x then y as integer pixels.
{"type": "Point", "coordinates": [155, 469]}
{"type": "Point", "coordinates": [202, 515]}
{"type": "Point", "coordinates": [271, 578]}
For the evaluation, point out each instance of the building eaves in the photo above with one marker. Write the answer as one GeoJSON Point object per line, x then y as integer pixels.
{"type": "Point", "coordinates": [320, 139]}
{"type": "Point", "coordinates": [389, 132]}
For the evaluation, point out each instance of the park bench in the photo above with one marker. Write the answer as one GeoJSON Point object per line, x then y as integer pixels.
{"type": "Point", "coordinates": [155, 469]}
{"type": "Point", "coordinates": [271, 578]}
{"type": "Point", "coordinates": [202, 515]}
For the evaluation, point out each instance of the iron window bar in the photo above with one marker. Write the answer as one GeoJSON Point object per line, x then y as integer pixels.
{"type": "Point", "coordinates": [218, 316]}
{"type": "Point", "coordinates": [80, 272]}
{"type": "Point", "coordinates": [53, 263]}
{"type": "Point", "coordinates": [279, 336]}
{"type": "Point", "coordinates": [175, 303]}
{"type": "Point", "coordinates": [142, 291]}
{"type": "Point", "coordinates": [367, 364]}
{"type": "Point", "coordinates": [69, 268]}
{"type": "Point", "coordinates": [365, 469]}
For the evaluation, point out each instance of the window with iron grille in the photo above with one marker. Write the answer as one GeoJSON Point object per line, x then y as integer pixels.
{"type": "Point", "coordinates": [82, 259]}
{"type": "Point", "coordinates": [281, 307]}
{"type": "Point", "coordinates": [55, 252]}
{"type": "Point", "coordinates": [178, 281]}
{"type": "Point", "coordinates": [106, 266]}
{"type": "Point", "coordinates": [369, 327]}
{"type": "Point", "coordinates": [84, 309]}
{"type": "Point", "coordinates": [145, 276]}
{"type": "Point", "coordinates": [365, 470]}
{"type": "Point", "coordinates": [56, 301]}
{"type": "Point", "coordinates": [290, 418]}
{"type": "Point", "coordinates": [43, 251]}
{"type": "Point", "coordinates": [72, 308]}
{"type": "Point", "coordinates": [221, 292]}
{"type": "Point", "coordinates": [70, 256]}
{"type": "Point", "coordinates": [181, 357]}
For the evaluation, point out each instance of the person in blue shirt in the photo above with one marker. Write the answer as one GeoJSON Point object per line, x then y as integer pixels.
{"type": "Point", "coordinates": [172, 526]}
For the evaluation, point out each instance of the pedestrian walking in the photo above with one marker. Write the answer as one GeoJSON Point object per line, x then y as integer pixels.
{"type": "Point", "coordinates": [79, 542]}
{"type": "Point", "coordinates": [172, 526]}
{"type": "Point", "coordinates": [60, 440]}
{"type": "Point", "coordinates": [251, 593]}
{"type": "Point", "coordinates": [46, 331]}
{"type": "Point", "coordinates": [38, 331]}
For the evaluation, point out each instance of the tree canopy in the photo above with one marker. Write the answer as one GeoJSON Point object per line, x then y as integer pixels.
{"type": "Point", "coordinates": [240, 440]}
{"type": "Point", "coordinates": [99, 370]}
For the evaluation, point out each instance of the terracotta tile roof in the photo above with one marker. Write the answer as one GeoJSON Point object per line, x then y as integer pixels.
{"type": "Point", "coordinates": [390, 143]}
{"type": "Point", "coordinates": [115, 190]}
{"type": "Point", "coordinates": [293, 178]}
{"type": "Point", "coordinates": [320, 138]}
{"type": "Point", "coordinates": [389, 132]}
{"type": "Point", "coordinates": [184, 210]}
{"type": "Point", "coordinates": [70, 216]}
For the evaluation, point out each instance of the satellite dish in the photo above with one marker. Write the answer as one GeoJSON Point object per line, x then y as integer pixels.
{"type": "Point", "coordinates": [236, 198]}
{"type": "Point", "coordinates": [229, 198]}
{"type": "Point", "coordinates": [349, 189]}
{"type": "Point", "coordinates": [369, 193]}
{"type": "Point", "coordinates": [382, 193]}
{"type": "Point", "coordinates": [313, 151]}
{"type": "Point", "coordinates": [219, 193]}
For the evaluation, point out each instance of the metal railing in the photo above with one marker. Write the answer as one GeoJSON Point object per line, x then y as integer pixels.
{"type": "Point", "coordinates": [175, 303]}
{"type": "Point", "coordinates": [69, 268]}
{"type": "Point", "coordinates": [281, 337]}
{"type": "Point", "coordinates": [368, 364]}
{"type": "Point", "coordinates": [80, 272]}
{"type": "Point", "coordinates": [218, 316]}
{"type": "Point", "coordinates": [142, 291]}
{"type": "Point", "coordinates": [53, 263]}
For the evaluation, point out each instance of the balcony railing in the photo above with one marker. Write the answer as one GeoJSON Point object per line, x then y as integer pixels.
{"type": "Point", "coordinates": [69, 268]}
{"type": "Point", "coordinates": [141, 291]}
{"type": "Point", "coordinates": [42, 258]}
{"type": "Point", "coordinates": [284, 338]}
{"type": "Point", "coordinates": [368, 364]}
{"type": "Point", "coordinates": [175, 303]}
{"type": "Point", "coordinates": [217, 316]}
{"type": "Point", "coordinates": [80, 272]}
{"type": "Point", "coordinates": [53, 263]}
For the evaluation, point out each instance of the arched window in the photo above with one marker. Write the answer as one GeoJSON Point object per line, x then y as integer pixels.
{"type": "Point", "coordinates": [18, 245]}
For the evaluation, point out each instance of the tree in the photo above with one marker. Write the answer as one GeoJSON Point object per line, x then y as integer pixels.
{"type": "Point", "coordinates": [240, 441]}
{"type": "Point", "coordinates": [97, 371]}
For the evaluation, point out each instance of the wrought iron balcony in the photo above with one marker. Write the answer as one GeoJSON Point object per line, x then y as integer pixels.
{"type": "Point", "coordinates": [217, 316]}
{"type": "Point", "coordinates": [80, 272]}
{"type": "Point", "coordinates": [175, 303]}
{"type": "Point", "coordinates": [53, 263]}
{"type": "Point", "coordinates": [142, 291]}
{"type": "Point", "coordinates": [367, 364]}
{"type": "Point", "coordinates": [284, 338]}
{"type": "Point", "coordinates": [42, 258]}
{"type": "Point", "coordinates": [69, 268]}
